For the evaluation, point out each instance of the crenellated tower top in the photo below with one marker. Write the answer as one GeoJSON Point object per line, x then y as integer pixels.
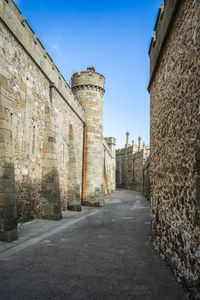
{"type": "Point", "coordinates": [88, 79]}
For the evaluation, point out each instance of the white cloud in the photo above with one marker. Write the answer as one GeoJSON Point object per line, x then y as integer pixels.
{"type": "Point", "coordinates": [54, 46]}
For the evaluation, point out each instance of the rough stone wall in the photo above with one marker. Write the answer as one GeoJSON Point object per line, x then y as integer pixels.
{"type": "Point", "coordinates": [109, 166]}
{"type": "Point", "coordinates": [137, 171]}
{"type": "Point", "coordinates": [175, 148]}
{"type": "Point", "coordinates": [146, 179]}
{"type": "Point", "coordinates": [120, 155]}
{"type": "Point", "coordinates": [128, 168]}
{"type": "Point", "coordinates": [8, 212]}
{"type": "Point", "coordinates": [44, 138]}
{"type": "Point", "coordinates": [124, 168]}
{"type": "Point", "coordinates": [68, 130]}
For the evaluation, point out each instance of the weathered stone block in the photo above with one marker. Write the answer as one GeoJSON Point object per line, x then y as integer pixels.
{"type": "Point", "coordinates": [9, 223]}
{"type": "Point", "coordinates": [51, 212]}
{"type": "Point", "coordinates": [5, 136]}
{"type": "Point", "coordinates": [5, 150]}
{"type": "Point", "coordinates": [3, 81]}
{"type": "Point", "coordinates": [7, 173]}
{"type": "Point", "coordinates": [4, 113]}
{"type": "Point", "coordinates": [51, 195]}
{"type": "Point", "coordinates": [7, 198]}
{"type": "Point", "coordinates": [93, 204]}
{"type": "Point", "coordinates": [9, 236]}
{"type": "Point", "coordinates": [74, 207]}
{"type": "Point", "coordinates": [7, 185]}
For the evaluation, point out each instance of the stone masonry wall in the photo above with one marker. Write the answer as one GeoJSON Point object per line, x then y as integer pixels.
{"type": "Point", "coordinates": [120, 168]}
{"type": "Point", "coordinates": [50, 157]}
{"type": "Point", "coordinates": [46, 137]}
{"type": "Point", "coordinates": [138, 171]}
{"type": "Point", "coordinates": [146, 179]}
{"type": "Point", "coordinates": [175, 147]}
{"type": "Point", "coordinates": [129, 167]}
{"type": "Point", "coordinates": [124, 167]}
{"type": "Point", "coordinates": [109, 166]}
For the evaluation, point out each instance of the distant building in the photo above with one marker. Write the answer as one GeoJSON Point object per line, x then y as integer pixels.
{"type": "Point", "coordinates": [129, 165]}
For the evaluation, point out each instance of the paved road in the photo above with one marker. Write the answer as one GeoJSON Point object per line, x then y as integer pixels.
{"type": "Point", "coordinates": [103, 253]}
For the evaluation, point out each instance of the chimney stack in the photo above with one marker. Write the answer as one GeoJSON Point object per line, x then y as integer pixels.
{"type": "Point", "coordinates": [139, 143]}
{"type": "Point", "coordinates": [127, 139]}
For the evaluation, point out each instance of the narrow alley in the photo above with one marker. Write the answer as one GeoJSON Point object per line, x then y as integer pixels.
{"type": "Point", "coordinates": [102, 253]}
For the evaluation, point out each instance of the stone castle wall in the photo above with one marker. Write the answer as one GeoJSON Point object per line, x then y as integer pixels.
{"type": "Point", "coordinates": [175, 143]}
{"type": "Point", "coordinates": [137, 179]}
{"type": "Point", "coordinates": [120, 168]}
{"type": "Point", "coordinates": [46, 136]}
{"type": "Point", "coordinates": [129, 167]}
{"type": "Point", "coordinates": [146, 179]}
{"type": "Point", "coordinates": [109, 165]}
{"type": "Point", "coordinates": [46, 146]}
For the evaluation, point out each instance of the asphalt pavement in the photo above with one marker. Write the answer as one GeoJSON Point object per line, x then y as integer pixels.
{"type": "Point", "coordinates": [100, 253]}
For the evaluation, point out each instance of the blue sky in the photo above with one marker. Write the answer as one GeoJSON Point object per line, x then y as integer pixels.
{"type": "Point", "coordinates": [112, 36]}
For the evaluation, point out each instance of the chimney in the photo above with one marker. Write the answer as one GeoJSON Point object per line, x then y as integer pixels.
{"type": "Point", "coordinates": [127, 139]}
{"type": "Point", "coordinates": [139, 143]}
{"type": "Point", "coordinates": [91, 69]}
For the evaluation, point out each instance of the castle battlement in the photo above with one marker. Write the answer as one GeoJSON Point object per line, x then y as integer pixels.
{"type": "Point", "coordinates": [111, 140]}
{"type": "Point", "coordinates": [164, 21]}
{"type": "Point", "coordinates": [22, 31]}
{"type": "Point", "coordinates": [120, 151]}
{"type": "Point", "coordinates": [129, 149]}
{"type": "Point", "coordinates": [138, 154]}
{"type": "Point", "coordinates": [88, 78]}
{"type": "Point", "coordinates": [129, 162]}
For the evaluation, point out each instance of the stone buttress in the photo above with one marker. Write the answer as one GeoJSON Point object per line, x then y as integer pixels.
{"type": "Point", "coordinates": [50, 188]}
{"type": "Point", "coordinates": [8, 211]}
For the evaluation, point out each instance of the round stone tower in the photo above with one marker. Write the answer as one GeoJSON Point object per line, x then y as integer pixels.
{"type": "Point", "coordinates": [88, 88]}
